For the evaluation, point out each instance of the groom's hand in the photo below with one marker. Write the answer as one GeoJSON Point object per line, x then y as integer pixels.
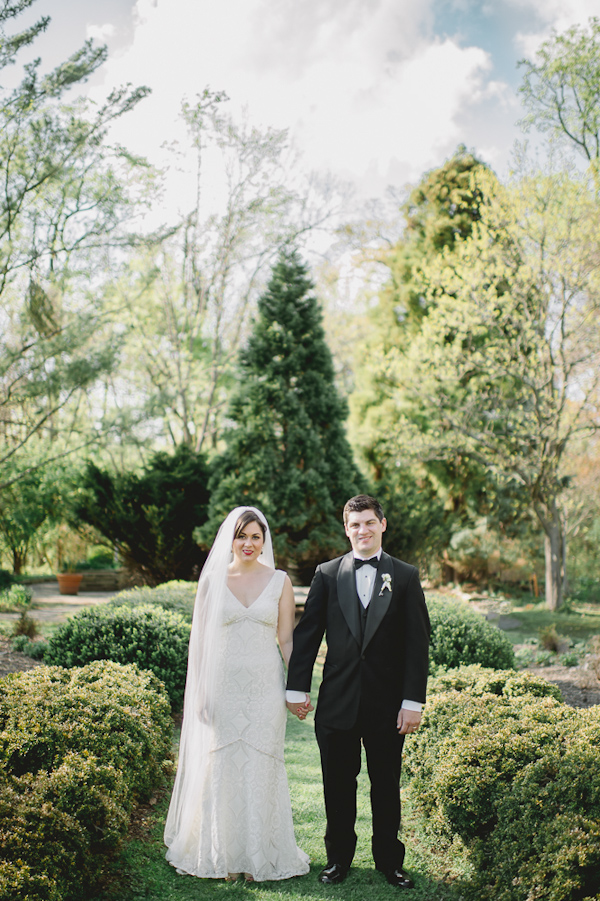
{"type": "Point", "coordinates": [301, 709]}
{"type": "Point", "coordinates": [408, 721]}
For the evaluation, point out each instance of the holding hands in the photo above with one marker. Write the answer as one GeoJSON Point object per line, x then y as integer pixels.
{"type": "Point", "coordinates": [300, 709]}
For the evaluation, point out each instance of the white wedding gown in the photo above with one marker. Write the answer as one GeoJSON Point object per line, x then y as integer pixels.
{"type": "Point", "coordinates": [244, 822]}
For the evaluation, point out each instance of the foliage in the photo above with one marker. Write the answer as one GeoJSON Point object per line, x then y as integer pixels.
{"type": "Point", "coordinates": [515, 777]}
{"type": "Point", "coordinates": [6, 579]}
{"type": "Point", "coordinates": [561, 88]}
{"type": "Point", "coordinates": [27, 503]}
{"type": "Point", "coordinates": [477, 680]}
{"type": "Point", "coordinates": [15, 599]}
{"type": "Point", "coordinates": [77, 748]}
{"type": "Point", "coordinates": [189, 299]}
{"type": "Point", "coordinates": [418, 526]}
{"type": "Point", "coordinates": [177, 596]}
{"type": "Point", "coordinates": [148, 517]}
{"type": "Point", "coordinates": [152, 638]}
{"type": "Point", "coordinates": [439, 494]}
{"type": "Point", "coordinates": [25, 645]}
{"type": "Point", "coordinates": [459, 637]}
{"type": "Point", "coordinates": [286, 451]}
{"type": "Point", "coordinates": [513, 326]}
{"type": "Point", "coordinates": [25, 625]}
{"type": "Point", "coordinates": [66, 195]}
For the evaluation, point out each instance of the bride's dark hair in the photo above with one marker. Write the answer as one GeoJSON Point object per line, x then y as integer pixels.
{"type": "Point", "coordinates": [247, 517]}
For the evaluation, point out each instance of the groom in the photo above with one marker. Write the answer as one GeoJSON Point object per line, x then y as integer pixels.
{"type": "Point", "coordinates": [372, 609]}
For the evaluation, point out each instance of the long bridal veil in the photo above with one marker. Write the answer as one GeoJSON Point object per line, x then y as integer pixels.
{"type": "Point", "coordinates": [204, 649]}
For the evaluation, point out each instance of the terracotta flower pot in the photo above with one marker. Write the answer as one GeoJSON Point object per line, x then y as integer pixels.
{"type": "Point", "coordinates": [68, 583]}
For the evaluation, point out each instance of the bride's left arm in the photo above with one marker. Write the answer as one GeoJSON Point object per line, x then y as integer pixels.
{"type": "Point", "coordinates": [287, 616]}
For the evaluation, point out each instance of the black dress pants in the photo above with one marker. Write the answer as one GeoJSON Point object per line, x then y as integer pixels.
{"type": "Point", "coordinates": [340, 763]}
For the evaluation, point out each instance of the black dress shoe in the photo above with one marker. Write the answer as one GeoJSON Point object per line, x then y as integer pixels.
{"type": "Point", "coordinates": [399, 878]}
{"type": "Point", "coordinates": [333, 874]}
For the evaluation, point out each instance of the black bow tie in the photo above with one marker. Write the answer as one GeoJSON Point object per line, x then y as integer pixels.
{"type": "Point", "coordinates": [372, 561]}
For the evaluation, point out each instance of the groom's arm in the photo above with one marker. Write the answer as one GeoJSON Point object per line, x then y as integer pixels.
{"type": "Point", "coordinates": [308, 635]}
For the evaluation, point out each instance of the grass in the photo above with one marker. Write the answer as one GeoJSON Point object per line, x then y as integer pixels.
{"type": "Point", "coordinates": [141, 871]}
{"type": "Point", "coordinates": [578, 624]}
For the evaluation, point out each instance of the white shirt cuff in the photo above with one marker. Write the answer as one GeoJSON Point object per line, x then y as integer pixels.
{"type": "Point", "coordinates": [295, 697]}
{"type": "Point", "coordinates": [412, 705]}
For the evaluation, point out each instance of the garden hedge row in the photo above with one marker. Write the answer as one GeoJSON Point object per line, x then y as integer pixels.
{"type": "Point", "coordinates": [503, 764]}
{"type": "Point", "coordinates": [77, 749]}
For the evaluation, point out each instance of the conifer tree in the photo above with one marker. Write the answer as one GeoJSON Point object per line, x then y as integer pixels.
{"type": "Point", "coordinates": [286, 450]}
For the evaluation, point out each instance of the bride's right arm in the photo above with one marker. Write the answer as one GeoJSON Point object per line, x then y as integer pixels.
{"type": "Point", "coordinates": [287, 616]}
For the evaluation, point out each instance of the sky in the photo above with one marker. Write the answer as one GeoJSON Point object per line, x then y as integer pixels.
{"type": "Point", "coordinates": [375, 92]}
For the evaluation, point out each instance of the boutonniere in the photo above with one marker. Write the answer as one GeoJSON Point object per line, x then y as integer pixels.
{"type": "Point", "coordinates": [387, 583]}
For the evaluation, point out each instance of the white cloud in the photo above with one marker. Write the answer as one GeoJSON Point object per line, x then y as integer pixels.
{"type": "Point", "coordinates": [363, 88]}
{"type": "Point", "coordinates": [555, 15]}
{"type": "Point", "coordinates": [100, 33]}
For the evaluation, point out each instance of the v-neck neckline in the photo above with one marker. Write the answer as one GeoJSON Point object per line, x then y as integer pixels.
{"type": "Point", "coordinates": [257, 598]}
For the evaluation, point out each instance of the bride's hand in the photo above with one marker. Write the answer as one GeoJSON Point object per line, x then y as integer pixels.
{"type": "Point", "coordinates": [300, 710]}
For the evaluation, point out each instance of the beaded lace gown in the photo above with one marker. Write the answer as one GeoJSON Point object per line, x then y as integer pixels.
{"type": "Point", "coordinates": [244, 818]}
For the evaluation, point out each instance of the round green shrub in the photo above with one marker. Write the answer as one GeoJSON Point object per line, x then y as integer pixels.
{"type": "Point", "coordinates": [459, 637]}
{"type": "Point", "coordinates": [77, 748]}
{"type": "Point", "coordinates": [515, 775]}
{"type": "Point", "coordinates": [177, 595]}
{"type": "Point", "coordinates": [147, 635]}
{"type": "Point", "coordinates": [60, 826]}
{"type": "Point", "coordinates": [116, 713]}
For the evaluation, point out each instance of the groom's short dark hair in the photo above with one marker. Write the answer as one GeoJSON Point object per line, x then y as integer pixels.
{"type": "Point", "coordinates": [363, 502]}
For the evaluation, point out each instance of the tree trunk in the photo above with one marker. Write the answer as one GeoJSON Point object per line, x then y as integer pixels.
{"type": "Point", "coordinates": [554, 550]}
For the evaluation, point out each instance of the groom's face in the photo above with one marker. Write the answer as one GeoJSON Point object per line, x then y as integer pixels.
{"type": "Point", "coordinates": [365, 532]}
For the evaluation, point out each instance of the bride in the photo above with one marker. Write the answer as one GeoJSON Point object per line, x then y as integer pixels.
{"type": "Point", "coordinates": [230, 811]}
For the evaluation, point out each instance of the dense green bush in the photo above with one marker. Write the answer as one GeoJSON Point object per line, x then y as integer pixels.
{"type": "Point", "coordinates": [149, 636]}
{"type": "Point", "coordinates": [77, 748]}
{"type": "Point", "coordinates": [149, 517]}
{"type": "Point", "coordinates": [514, 773]}
{"type": "Point", "coordinates": [460, 637]}
{"type": "Point", "coordinates": [178, 596]}
{"type": "Point", "coordinates": [6, 579]}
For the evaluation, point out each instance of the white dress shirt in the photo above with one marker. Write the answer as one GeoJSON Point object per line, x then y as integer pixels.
{"type": "Point", "coordinates": [365, 580]}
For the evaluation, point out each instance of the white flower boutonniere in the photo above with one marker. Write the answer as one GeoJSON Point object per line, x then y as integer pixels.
{"type": "Point", "coordinates": [387, 583]}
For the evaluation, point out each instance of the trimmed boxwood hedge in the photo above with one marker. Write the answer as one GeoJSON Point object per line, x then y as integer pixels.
{"type": "Point", "coordinates": [514, 773]}
{"type": "Point", "coordinates": [147, 635]}
{"type": "Point", "coordinates": [77, 748]}
{"type": "Point", "coordinates": [459, 637]}
{"type": "Point", "coordinates": [178, 596]}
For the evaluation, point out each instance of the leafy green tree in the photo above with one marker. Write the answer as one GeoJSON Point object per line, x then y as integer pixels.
{"type": "Point", "coordinates": [149, 517]}
{"type": "Point", "coordinates": [25, 506]}
{"type": "Point", "coordinates": [506, 367]}
{"type": "Point", "coordinates": [561, 88]}
{"type": "Point", "coordinates": [287, 451]}
{"type": "Point", "coordinates": [432, 497]}
{"type": "Point", "coordinates": [63, 203]}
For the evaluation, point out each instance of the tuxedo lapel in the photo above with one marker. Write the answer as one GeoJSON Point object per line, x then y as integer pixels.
{"type": "Point", "coordinates": [347, 595]}
{"type": "Point", "coordinates": [380, 599]}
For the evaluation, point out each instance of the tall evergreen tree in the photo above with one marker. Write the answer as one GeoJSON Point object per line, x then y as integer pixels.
{"type": "Point", "coordinates": [286, 450]}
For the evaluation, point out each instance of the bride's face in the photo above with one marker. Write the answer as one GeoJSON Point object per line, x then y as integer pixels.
{"type": "Point", "coordinates": [249, 543]}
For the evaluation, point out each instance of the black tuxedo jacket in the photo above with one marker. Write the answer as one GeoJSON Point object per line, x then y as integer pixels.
{"type": "Point", "coordinates": [372, 673]}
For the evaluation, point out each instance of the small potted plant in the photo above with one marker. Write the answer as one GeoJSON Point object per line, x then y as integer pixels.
{"type": "Point", "coordinates": [68, 578]}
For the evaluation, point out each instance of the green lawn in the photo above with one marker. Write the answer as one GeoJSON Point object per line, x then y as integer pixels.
{"type": "Point", "coordinates": [579, 625]}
